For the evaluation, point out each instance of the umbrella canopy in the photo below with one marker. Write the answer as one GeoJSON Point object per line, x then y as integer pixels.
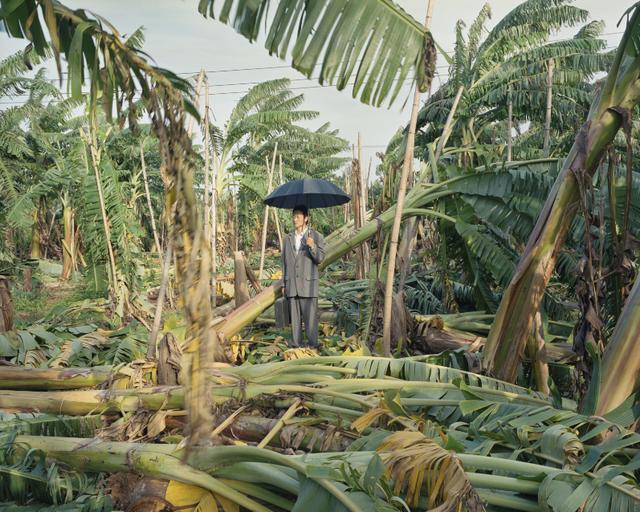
{"type": "Point", "coordinates": [312, 193]}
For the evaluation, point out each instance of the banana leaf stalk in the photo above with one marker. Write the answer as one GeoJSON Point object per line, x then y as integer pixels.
{"type": "Point", "coordinates": [500, 478]}
{"type": "Point", "coordinates": [344, 393]}
{"type": "Point", "coordinates": [17, 377]}
{"type": "Point", "coordinates": [167, 462]}
{"type": "Point", "coordinates": [521, 301]}
{"type": "Point", "coordinates": [621, 361]}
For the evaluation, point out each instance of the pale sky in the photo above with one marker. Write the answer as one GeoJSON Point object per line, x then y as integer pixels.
{"type": "Point", "coordinates": [178, 38]}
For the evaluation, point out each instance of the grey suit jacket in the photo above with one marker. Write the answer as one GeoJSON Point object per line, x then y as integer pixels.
{"type": "Point", "coordinates": [300, 270]}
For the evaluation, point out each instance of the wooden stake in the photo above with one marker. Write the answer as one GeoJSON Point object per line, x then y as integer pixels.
{"type": "Point", "coordinates": [290, 413]}
{"type": "Point", "coordinates": [255, 283]}
{"type": "Point", "coordinates": [395, 230]}
{"type": "Point", "coordinates": [241, 291]}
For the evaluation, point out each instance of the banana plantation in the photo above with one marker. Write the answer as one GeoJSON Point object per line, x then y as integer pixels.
{"type": "Point", "coordinates": [478, 297]}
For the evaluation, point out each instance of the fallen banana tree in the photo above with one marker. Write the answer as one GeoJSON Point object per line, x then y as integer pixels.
{"type": "Point", "coordinates": [560, 448]}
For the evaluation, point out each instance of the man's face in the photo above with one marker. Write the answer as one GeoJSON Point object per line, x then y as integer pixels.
{"type": "Point", "coordinates": [298, 220]}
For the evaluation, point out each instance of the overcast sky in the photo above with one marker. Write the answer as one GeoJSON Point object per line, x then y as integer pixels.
{"type": "Point", "coordinates": [178, 38]}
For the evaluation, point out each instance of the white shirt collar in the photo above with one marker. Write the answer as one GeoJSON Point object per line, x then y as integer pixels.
{"type": "Point", "coordinates": [297, 238]}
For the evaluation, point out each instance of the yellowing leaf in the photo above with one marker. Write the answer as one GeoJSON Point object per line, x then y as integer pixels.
{"type": "Point", "coordinates": [184, 496]}
{"type": "Point", "coordinates": [299, 353]}
{"type": "Point", "coordinates": [420, 466]}
{"type": "Point", "coordinates": [207, 504]}
{"type": "Point", "coordinates": [156, 424]}
{"type": "Point", "coordinates": [189, 498]}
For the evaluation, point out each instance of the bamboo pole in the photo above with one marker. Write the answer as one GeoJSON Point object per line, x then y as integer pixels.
{"type": "Point", "coordinates": [207, 162]}
{"type": "Point", "coordinates": [356, 199]}
{"type": "Point", "coordinates": [274, 211]}
{"type": "Point", "coordinates": [363, 206]}
{"type": "Point", "coordinates": [289, 413]}
{"type": "Point", "coordinates": [265, 222]}
{"type": "Point", "coordinates": [214, 238]}
{"type": "Point", "coordinates": [152, 217]}
{"type": "Point", "coordinates": [409, 239]}
{"type": "Point", "coordinates": [395, 230]}
{"type": "Point", "coordinates": [547, 120]}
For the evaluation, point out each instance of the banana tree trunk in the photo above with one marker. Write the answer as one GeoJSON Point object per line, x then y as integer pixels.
{"type": "Point", "coordinates": [157, 317]}
{"type": "Point", "coordinates": [621, 361]}
{"type": "Point", "coordinates": [547, 120]}
{"type": "Point", "coordinates": [36, 249]}
{"type": "Point", "coordinates": [89, 138]}
{"type": "Point", "coordinates": [68, 243]}
{"type": "Point", "coordinates": [152, 216]}
{"type": "Point", "coordinates": [48, 379]}
{"type": "Point", "coordinates": [143, 459]}
{"type": "Point", "coordinates": [521, 299]}
{"type": "Point", "coordinates": [537, 353]}
{"type": "Point", "coordinates": [6, 306]}
{"type": "Point", "coordinates": [265, 222]}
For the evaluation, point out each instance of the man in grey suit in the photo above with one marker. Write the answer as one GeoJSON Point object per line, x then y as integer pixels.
{"type": "Point", "coordinates": [302, 253]}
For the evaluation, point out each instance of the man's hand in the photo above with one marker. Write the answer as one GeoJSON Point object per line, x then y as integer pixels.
{"type": "Point", "coordinates": [311, 243]}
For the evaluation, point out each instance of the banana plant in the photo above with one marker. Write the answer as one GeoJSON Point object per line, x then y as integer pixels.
{"type": "Point", "coordinates": [507, 64]}
{"type": "Point", "coordinates": [349, 41]}
{"type": "Point", "coordinates": [521, 300]}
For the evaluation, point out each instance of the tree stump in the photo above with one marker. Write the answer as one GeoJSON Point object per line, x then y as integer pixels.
{"type": "Point", "coordinates": [169, 354]}
{"type": "Point", "coordinates": [6, 306]}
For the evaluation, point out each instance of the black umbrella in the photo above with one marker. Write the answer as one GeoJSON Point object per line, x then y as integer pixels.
{"type": "Point", "coordinates": [312, 193]}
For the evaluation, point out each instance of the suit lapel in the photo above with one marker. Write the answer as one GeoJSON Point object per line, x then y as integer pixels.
{"type": "Point", "coordinates": [291, 244]}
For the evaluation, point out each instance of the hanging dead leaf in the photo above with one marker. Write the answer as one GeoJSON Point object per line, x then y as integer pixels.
{"type": "Point", "coordinates": [418, 464]}
{"type": "Point", "coordinates": [157, 424]}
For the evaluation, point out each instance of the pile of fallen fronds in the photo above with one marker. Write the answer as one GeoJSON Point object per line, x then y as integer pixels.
{"type": "Point", "coordinates": [321, 433]}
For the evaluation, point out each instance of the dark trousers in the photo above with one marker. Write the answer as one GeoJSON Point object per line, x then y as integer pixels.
{"type": "Point", "coordinates": [304, 309]}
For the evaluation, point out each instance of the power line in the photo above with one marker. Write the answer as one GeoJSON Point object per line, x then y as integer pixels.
{"type": "Point", "coordinates": [239, 92]}
{"type": "Point", "coordinates": [285, 66]}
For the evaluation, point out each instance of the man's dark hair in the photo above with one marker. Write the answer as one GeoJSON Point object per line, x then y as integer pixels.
{"type": "Point", "coordinates": [302, 209]}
